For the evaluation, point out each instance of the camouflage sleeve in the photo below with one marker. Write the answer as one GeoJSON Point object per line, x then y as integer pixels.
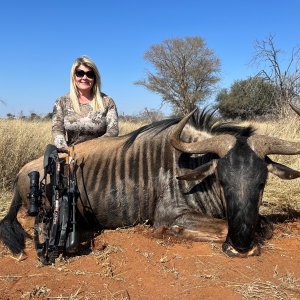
{"type": "Point", "coordinates": [58, 128]}
{"type": "Point", "coordinates": [111, 117]}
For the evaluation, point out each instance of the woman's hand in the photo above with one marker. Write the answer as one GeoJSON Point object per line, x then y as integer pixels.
{"type": "Point", "coordinates": [62, 149]}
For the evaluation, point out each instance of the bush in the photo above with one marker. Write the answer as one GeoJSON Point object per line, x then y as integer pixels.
{"type": "Point", "coordinates": [249, 99]}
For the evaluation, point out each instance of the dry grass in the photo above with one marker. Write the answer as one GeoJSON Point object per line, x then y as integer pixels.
{"type": "Point", "coordinates": [282, 195]}
{"type": "Point", "coordinates": [126, 127]}
{"type": "Point", "coordinates": [38, 292]}
{"type": "Point", "coordinates": [20, 142]}
{"type": "Point", "coordinates": [287, 288]}
{"type": "Point", "coordinates": [5, 199]}
{"type": "Point", "coordinates": [102, 257]}
{"type": "Point", "coordinates": [45, 293]}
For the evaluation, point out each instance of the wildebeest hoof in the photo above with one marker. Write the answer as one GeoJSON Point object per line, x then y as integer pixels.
{"type": "Point", "coordinates": [176, 229]}
{"type": "Point", "coordinates": [160, 231]}
{"type": "Point", "coordinates": [231, 252]}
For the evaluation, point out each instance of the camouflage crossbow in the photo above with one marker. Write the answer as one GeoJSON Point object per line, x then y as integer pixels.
{"type": "Point", "coordinates": [54, 205]}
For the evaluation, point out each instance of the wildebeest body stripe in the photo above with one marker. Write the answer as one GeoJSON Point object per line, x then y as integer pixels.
{"type": "Point", "coordinates": [120, 186]}
{"type": "Point", "coordinates": [112, 207]}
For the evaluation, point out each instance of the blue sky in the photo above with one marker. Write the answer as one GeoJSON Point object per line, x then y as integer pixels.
{"type": "Point", "coordinates": [41, 39]}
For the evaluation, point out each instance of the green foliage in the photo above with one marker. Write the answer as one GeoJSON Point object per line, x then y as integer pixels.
{"type": "Point", "coordinates": [10, 116]}
{"type": "Point", "coordinates": [48, 116]}
{"type": "Point", "coordinates": [248, 99]}
{"type": "Point", "coordinates": [186, 71]}
{"type": "Point", "coordinates": [32, 117]}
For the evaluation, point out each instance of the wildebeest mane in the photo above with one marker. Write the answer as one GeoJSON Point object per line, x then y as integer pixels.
{"type": "Point", "coordinates": [155, 127]}
{"type": "Point", "coordinates": [203, 120]}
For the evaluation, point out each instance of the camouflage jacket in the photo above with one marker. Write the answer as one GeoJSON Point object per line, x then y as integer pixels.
{"type": "Point", "coordinates": [70, 128]}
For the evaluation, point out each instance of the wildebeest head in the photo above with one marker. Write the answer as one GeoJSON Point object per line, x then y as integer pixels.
{"type": "Point", "coordinates": [241, 170]}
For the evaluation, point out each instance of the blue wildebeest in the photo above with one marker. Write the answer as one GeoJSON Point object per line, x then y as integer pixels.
{"type": "Point", "coordinates": [198, 178]}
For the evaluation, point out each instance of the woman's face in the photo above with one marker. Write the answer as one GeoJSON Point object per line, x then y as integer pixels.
{"type": "Point", "coordinates": [84, 78]}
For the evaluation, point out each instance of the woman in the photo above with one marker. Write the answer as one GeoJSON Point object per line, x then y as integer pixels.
{"type": "Point", "coordinates": [85, 113]}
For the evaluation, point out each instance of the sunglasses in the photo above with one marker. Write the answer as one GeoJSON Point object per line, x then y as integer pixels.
{"type": "Point", "coordinates": [81, 73]}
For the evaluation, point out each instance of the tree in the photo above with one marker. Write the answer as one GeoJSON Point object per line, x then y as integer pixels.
{"type": "Point", "coordinates": [186, 71]}
{"type": "Point", "coordinates": [10, 116]}
{"type": "Point", "coordinates": [21, 115]}
{"type": "Point", "coordinates": [281, 72]}
{"type": "Point", "coordinates": [34, 116]}
{"type": "Point", "coordinates": [152, 115]}
{"type": "Point", "coordinates": [248, 99]}
{"type": "Point", "coordinates": [48, 116]}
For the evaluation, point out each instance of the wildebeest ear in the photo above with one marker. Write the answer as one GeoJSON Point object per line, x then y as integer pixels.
{"type": "Point", "coordinates": [281, 171]}
{"type": "Point", "coordinates": [201, 172]}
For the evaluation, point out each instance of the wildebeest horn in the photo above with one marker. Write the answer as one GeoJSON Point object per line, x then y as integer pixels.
{"type": "Point", "coordinates": [263, 145]}
{"type": "Point", "coordinates": [220, 144]}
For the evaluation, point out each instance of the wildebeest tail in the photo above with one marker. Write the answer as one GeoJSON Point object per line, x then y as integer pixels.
{"type": "Point", "coordinates": [12, 233]}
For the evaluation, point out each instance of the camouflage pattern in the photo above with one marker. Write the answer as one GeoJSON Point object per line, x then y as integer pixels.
{"type": "Point", "coordinates": [70, 128]}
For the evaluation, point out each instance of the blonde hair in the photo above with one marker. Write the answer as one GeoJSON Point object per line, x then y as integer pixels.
{"type": "Point", "coordinates": [97, 102]}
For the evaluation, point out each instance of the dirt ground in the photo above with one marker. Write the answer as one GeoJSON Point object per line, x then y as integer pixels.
{"type": "Point", "coordinates": [132, 264]}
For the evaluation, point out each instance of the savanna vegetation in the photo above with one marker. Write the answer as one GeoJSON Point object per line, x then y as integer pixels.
{"type": "Point", "coordinates": [185, 73]}
{"type": "Point", "coordinates": [249, 99]}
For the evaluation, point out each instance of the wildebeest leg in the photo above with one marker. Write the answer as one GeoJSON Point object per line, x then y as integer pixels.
{"type": "Point", "coordinates": [199, 227]}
